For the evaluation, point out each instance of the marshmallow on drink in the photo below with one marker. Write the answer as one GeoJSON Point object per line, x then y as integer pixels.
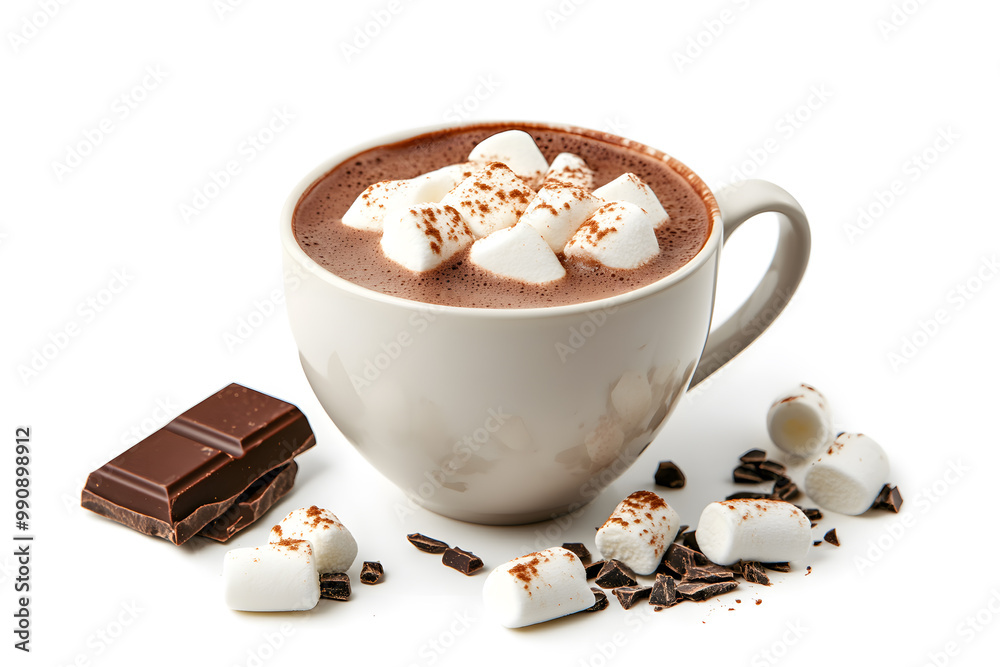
{"type": "Point", "coordinates": [618, 235]}
{"type": "Point", "coordinates": [424, 236]}
{"type": "Point", "coordinates": [799, 422]}
{"type": "Point", "coordinates": [558, 210]}
{"type": "Point", "coordinates": [274, 577]}
{"type": "Point", "coordinates": [436, 184]}
{"type": "Point", "coordinates": [770, 531]}
{"type": "Point", "coordinates": [331, 542]}
{"type": "Point", "coordinates": [538, 587]}
{"type": "Point", "coordinates": [517, 252]}
{"type": "Point", "coordinates": [492, 198]}
{"type": "Point", "coordinates": [629, 187]}
{"type": "Point", "coordinates": [638, 532]}
{"type": "Point", "coordinates": [848, 475]}
{"type": "Point", "coordinates": [570, 169]}
{"type": "Point", "coordinates": [517, 150]}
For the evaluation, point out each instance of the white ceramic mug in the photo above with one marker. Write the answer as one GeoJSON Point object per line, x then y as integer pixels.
{"type": "Point", "coordinates": [506, 416]}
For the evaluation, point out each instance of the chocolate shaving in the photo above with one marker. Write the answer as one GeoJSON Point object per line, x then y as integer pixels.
{"type": "Point", "coordinates": [753, 572]}
{"type": "Point", "coordinates": [754, 456]}
{"type": "Point", "coordinates": [831, 537]}
{"type": "Point", "coordinates": [778, 567]}
{"type": "Point", "coordinates": [785, 489]}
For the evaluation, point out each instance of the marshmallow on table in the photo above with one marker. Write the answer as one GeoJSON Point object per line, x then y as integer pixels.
{"type": "Point", "coordinates": [848, 475]}
{"type": "Point", "coordinates": [517, 252]}
{"type": "Point", "coordinates": [492, 198]}
{"type": "Point", "coordinates": [332, 543]}
{"type": "Point", "coordinates": [638, 532]}
{"type": "Point", "coordinates": [537, 587]}
{"type": "Point", "coordinates": [799, 422]}
{"type": "Point", "coordinates": [517, 150]}
{"type": "Point", "coordinates": [558, 210]}
{"type": "Point", "coordinates": [571, 169]}
{"type": "Point", "coordinates": [629, 187]}
{"type": "Point", "coordinates": [618, 235]}
{"type": "Point", "coordinates": [274, 577]}
{"type": "Point", "coordinates": [770, 531]}
{"type": "Point", "coordinates": [424, 236]}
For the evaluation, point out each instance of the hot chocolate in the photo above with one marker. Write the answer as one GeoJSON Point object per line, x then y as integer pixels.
{"type": "Point", "coordinates": [356, 255]}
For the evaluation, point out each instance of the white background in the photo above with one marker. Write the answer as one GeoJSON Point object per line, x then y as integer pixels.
{"type": "Point", "coordinates": [835, 102]}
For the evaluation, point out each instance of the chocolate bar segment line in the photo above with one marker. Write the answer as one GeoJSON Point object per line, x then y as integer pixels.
{"type": "Point", "coordinates": [172, 484]}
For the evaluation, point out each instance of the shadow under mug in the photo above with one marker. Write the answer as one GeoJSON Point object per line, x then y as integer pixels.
{"type": "Point", "coordinates": [509, 416]}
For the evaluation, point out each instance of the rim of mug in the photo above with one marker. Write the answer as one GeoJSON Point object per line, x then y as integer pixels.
{"type": "Point", "coordinates": [295, 251]}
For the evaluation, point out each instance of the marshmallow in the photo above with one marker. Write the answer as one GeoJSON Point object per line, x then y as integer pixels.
{"type": "Point", "coordinates": [799, 422]}
{"type": "Point", "coordinates": [370, 209]}
{"type": "Point", "coordinates": [332, 543]}
{"type": "Point", "coordinates": [517, 252]}
{"type": "Point", "coordinates": [493, 198]}
{"type": "Point", "coordinates": [436, 184]}
{"type": "Point", "coordinates": [639, 531]}
{"type": "Point", "coordinates": [424, 236]}
{"type": "Point", "coordinates": [629, 187]}
{"type": "Point", "coordinates": [558, 210]}
{"type": "Point", "coordinates": [570, 168]}
{"type": "Point", "coordinates": [848, 475]}
{"type": "Point", "coordinates": [517, 150]}
{"type": "Point", "coordinates": [274, 577]}
{"type": "Point", "coordinates": [536, 588]}
{"type": "Point", "coordinates": [631, 397]}
{"type": "Point", "coordinates": [617, 235]}
{"type": "Point", "coordinates": [770, 531]}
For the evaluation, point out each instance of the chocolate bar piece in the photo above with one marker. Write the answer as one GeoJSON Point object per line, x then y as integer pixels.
{"type": "Point", "coordinates": [465, 562]}
{"type": "Point", "coordinates": [371, 572]}
{"type": "Point", "coordinates": [427, 544]}
{"type": "Point", "coordinates": [628, 596]}
{"type": "Point", "coordinates": [664, 592]}
{"type": "Point", "coordinates": [184, 476]}
{"type": "Point", "coordinates": [615, 574]}
{"type": "Point", "coordinates": [579, 548]}
{"type": "Point", "coordinates": [669, 475]}
{"type": "Point", "coordinates": [252, 503]}
{"type": "Point", "coordinates": [335, 586]}
{"type": "Point", "coordinates": [600, 601]}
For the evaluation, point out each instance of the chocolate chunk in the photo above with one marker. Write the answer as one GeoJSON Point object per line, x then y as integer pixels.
{"type": "Point", "coordinates": [669, 475]}
{"type": "Point", "coordinates": [747, 474]}
{"type": "Point", "coordinates": [581, 551]}
{"type": "Point", "coordinates": [371, 572]}
{"type": "Point", "coordinates": [748, 495]}
{"type": "Point", "coordinates": [182, 477]}
{"type": "Point", "coordinates": [690, 540]}
{"type": "Point", "coordinates": [811, 513]}
{"type": "Point", "coordinates": [889, 499]}
{"type": "Point", "coordinates": [615, 574]}
{"type": "Point", "coordinates": [710, 573]}
{"type": "Point", "coordinates": [778, 567]}
{"type": "Point", "coordinates": [427, 544]}
{"type": "Point", "coordinates": [816, 543]}
{"type": "Point", "coordinates": [753, 572]}
{"type": "Point", "coordinates": [252, 503]}
{"type": "Point", "coordinates": [754, 456]}
{"type": "Point", "coordinates": [785, 489]}
{"type": "Point", "coordinates": [664, 593]}
{"type": "Point", "coordinates": [600, 601]}
{"type": "Point", "coordinates": [465, 562]}
{"type": "Point", "coordinates": [680, 532]}
{"type": "Point", "coordinates": [771, 469]}
{"type": "Point", "coordinates": [594, 569]}
{"type": "Point", "coordinates": [831, 537]}
{"type": "Point", "coordinates": [628, 596]}
{"type": "Point", "coordinates": [336, 586]}
{"type": "Point", "coordinates": [697, 590]}
{"type": "Point", "coordinates": [679, 558]}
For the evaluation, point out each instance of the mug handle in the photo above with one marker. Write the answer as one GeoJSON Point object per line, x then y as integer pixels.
{"type": "Point", "coordinates": [738, 203]}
